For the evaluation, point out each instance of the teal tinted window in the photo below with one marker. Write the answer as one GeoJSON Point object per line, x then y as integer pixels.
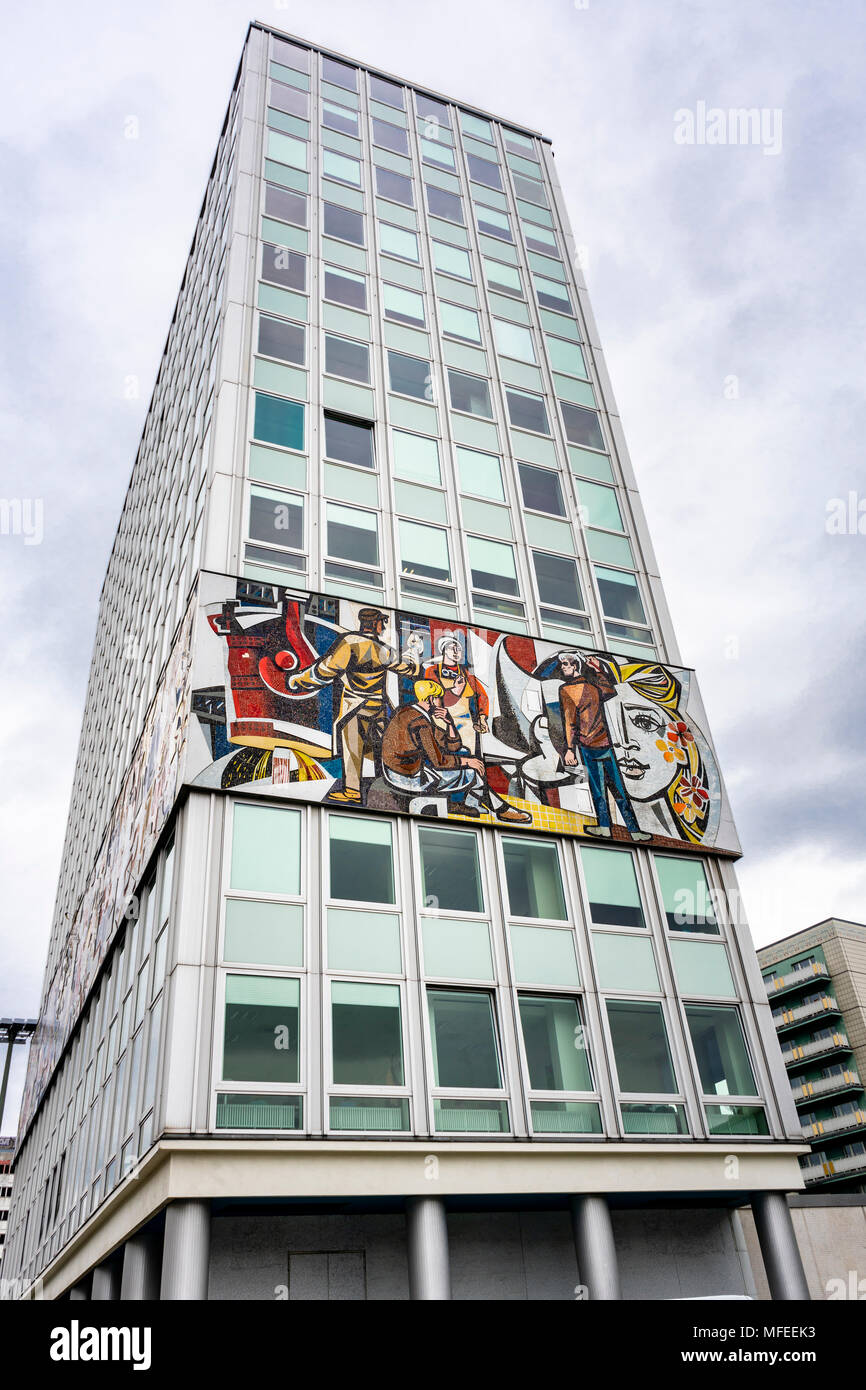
{"type": "Point", "coordinates": [686, 894]}
{"type": "Point", "coordinates": [367, 1034]}
{"type": "Point", "coordinates": [451, 874]}
{"type": "Point", "coordinates": [611, 886]}
{"type": "Point", "coordinates": [720, 1049]}
{"type": "Point", "coordinates": [266, 849]}
{"type": "Point", "coordinates": [463, 1039]}
{"type": "Point", "coordinates": [362, 867]}
{"type": "Point", "coordinates": [555, 1043]}
{"type": "Point", "coordinates": [534, 879]}
{"type": "Point", "coordinates": [279, 422]}
{"type": "Point", "coordinates": [261, 1029]}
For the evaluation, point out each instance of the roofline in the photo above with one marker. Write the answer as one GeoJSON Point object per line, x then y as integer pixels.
{"type": "Point", "coordinates": [825, 921]}
{"type": "Point", "coordinates": [393, 77]}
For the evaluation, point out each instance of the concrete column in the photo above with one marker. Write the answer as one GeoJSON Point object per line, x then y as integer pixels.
{"type": "Point", "coordinates": [140, 1280]}
{"type": "Point", "coordinates": [106, 1282]}
{"type": "Point", "coordinates": [429, 1266]}
{"type": "Point", "coordinates": [779, 1250]}
{"type": "Point", "coordinates": [78, 1293]}
{"type": "Point", "coordinates": [596, 1253]}
{"type": "Point", "coordinates": [186, 1250]}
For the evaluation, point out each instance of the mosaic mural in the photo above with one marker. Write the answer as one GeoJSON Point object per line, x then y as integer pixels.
{"type": "Point", "coordinates": [325, 699]}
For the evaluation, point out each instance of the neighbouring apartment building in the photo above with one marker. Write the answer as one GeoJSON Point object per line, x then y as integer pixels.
{"type": "Point", "coordinates": [816, 984]}
{"type": "Point", "coordinates": [396, 951]}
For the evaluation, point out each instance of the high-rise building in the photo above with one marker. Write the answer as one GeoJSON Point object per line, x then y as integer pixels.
{"type": "Point", "coordinates": [816, 983]}
{"type": "Point", "coordinates": [397, 912]}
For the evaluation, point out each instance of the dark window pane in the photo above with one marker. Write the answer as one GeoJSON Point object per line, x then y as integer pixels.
{"type": "Point", "coordinates": [394, 186]}
{"type": "Point", "coordinates": [279, 422]}
{"type": "Point", "coordinates": [278, 522]}
{"type": "Point", "coordinates": [534, 879]}
{"type": "Point", "coordinates": [557, 580]}
{"type": "Point", "coordinates": [527, 412]}
{"type": "Point", "coordinates": [289, 99]}
{"type": "Point", "coordinates": [290, 55]}
{"type": "Point", "coordinates": [287, 206]}
{"type": "Point", "coordinates": [345, 358]}
{"type": "Point", "coordinates": [279, 339]}
{"type": "Point", "coordinates": [555, 1044]}
{"type": "Point", "coordinates": [345, 289]}
{"type": "Point", "coordinates": [258, 1010]}
{"type": "Point", "coordinates": [362, 867]}
{"type": "Point", "coordinates": [340, 222]}
{"type": "Point", "coordinates": [386, 92]}
{"type": "Point", "coordinates": [494, 223]}
{"type": "Point", "coordinates": [581, 426]}
{"type": "Point", "coordinates": [284, 267]}
{"type": "Point", "coordinates": [349, 440]}
{"type": "Point", "coordinates": [390, 136]}
{"type": "Point", "coordinates": [432, 110]}
{"type": "Point", "coordinates": [464, 1039]}
{"type": "Point", "coordinates": [470, 393]}
{"type": "Point", "coordinates": [530, 190]}
{"type": "Point", "coordinates": [410, 376]}
{"type": "Point", "coordinates": [640, 1044]}
{"type": "Point", "coordinates": [611, 886]}
{"type": "Point", "coordinates": [367, 1038]}
{"type": "Point", "coordinates": [442, 204]}
{"type": "Point", "coordinates": [540, 239]}
{"type": "Point", "coordinates": [720, 1049]}
{"type": "Point", "coordinates": [541, 490]}
{"type": "Point", "coordinates": [340, 74]}
{"type": "Point", "coordinates": [482, 171]}
{"type": "Point", "coordinates": [338, 118]}
{"type": "Point", "coordinates": [359, 544]}
{"type": "Point", "coordinates": [620, 596]}
{"type": "Point", "coordinates": [450, 871]}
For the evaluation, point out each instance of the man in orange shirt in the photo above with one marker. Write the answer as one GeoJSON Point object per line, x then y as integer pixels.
{"type": "Point", "coordinates": [587, 686]}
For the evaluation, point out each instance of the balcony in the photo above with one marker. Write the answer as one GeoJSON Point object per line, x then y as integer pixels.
{"type": "Point", "coordinates": [845, 1080]}
{"type": "Point", "coordinates": [803, 1013]}
{"type": "Point", "coordinates": [836, 1125]}
{"type": "Point", "coordinates": [796, 978]}
{"type": "Point", "coordinates": [819, 1047]}
{"type": "Point", "coordinates": [832, 1169]}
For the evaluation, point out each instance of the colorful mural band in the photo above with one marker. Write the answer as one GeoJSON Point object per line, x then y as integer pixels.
{"type": "Point", "coordinates": [347, 704]}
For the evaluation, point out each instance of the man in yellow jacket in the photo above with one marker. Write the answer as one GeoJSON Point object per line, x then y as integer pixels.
{"type": "Point", "coordinates": [358, 663]}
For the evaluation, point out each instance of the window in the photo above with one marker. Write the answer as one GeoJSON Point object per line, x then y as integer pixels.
{"type": "Point", "coordinates": [552, 294]}
{"type": "Point", "coordinates": [484, 172]}
{"type": "Point", "coordinates": [581, 426]}
{"type": "Point", "coordinates": [493, 223]}
{"type": "Point", "coordinates": [338, 118]}
{"type": "Point", "coordinates": [387, 92]}
{"type": "Point", "coordinates": [340, 74]}
{"type": "Point", "coordinates": [620, 595]}
{"type": "Point", "coordinates": [279, 422]}
{"type": "Point", "coordinates": [343, 357]}
{"type": "Point", "coordinates": [410, 376]}
{"type": "Point", "coordinates": [527, 412]}
{"type": "Point", "coordinates": [555, 1042]}
{"type": "Point", "coordinates": [276, 518]}
{"type": "Point", "coordinates": [470, 394]}
{"type": "Point", "coordinates": [541, 490]}
{"type": "Point", "coordinates": [353, 535]}
{"type": "Point", "coordinates": [362, 866]}
{"type": "Point", "coordinates": [720, 1050]}
{"type": "Point", "coordinates": [477, 126]}
{"type": "Point", "coordinates": [686, 895]}
{"type": "Point", "coordinates": [450, 872]}
{"type": "Point", "coordinates": [457, 950]}
{"type": "Point", "coordinates": [345, 288]}
{"type": "Point", "coordinates": [532, 190]}
{"type": "Point", "coordinates": [424, 551]}
{"type": "Point", "coordinates": [441, 204]}
{"type": "Point", "coordinates": [514, 341]}
{"type": "Point", "coordinates": [283, 267]}
{"type": "Point", "coordinates": [285, 205]}
{"type": "Point", "coordinates": [390, 137]}
{"type": "Point", "coordinates": [289, 99]}
{"type": "Point", "coordinates": [640, 1046]}
{"type": "Point", "coordinates": [339, 166]}
{"type": "Point", "coordinates": [280, 339]}
{"type": "Point", "coordinates": [480, 474]}
{"type": "Point", "coordinates": [261, 1034]}
{"type": "Point", "coordinates": [394, 186]}
{"type": "Point", "coordinates": [557, 579]}
{"type": "Point", "coordinates": [463, 1039]}
{"type": "Point", "coordinates": [534, 880]}
{"type": "Point", "coordinates": [460, 323]}
{"type": "Point", "coordinates": [416, 457]}
{"type": "Point", "coordinates": [348, 441]}
{"type": "Point", "coordinates": [396, 242]}
{"type": "Point", "coordinates": [436, 152]}
{"type": "Point", "coordinates": [625, 963]}
{"type": "Point", "coordinates": [540, 239]}
{"type": "Point", "coordinates": [451, 260]}
{"type": "Point", "coordinates": [368, 941]}
{"type": "Point", "coordinates": [492, 566]}
{"type": "Point", "coordinates": [611, 887]}
{"type": "Point", "coordinates": [432, 110]}
{"type": "Point", "coordinates": [343, 224]}
{"type": "Point", "coordinates": [266, 849]}
{"type": "Point", "coordinates": [367, 1034]}
{"type": "Point", "coordinates": [403, 306]}
{"type": "Point", "coordinates": [518, 143]}
{"type": "Point", "coordinates": [264, 933]}
{"type": "Point", "coordinates": [565, 357]}
{"type": "Point", "coordinates": [504, 278]}
{"type": "Point", "coordinates": [602, 508]}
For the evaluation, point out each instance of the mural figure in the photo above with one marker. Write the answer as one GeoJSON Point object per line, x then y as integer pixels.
{"type": "Point", "coordinates": [587, 685]}
{"type": "Point", "coordinates": [464, 696]}
{"type": "Point", "coordinates": [423, 754]}
{"type": "Point", "coordinates": [357, 664]}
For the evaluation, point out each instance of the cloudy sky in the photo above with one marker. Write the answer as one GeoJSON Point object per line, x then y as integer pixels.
{"type": "Point", "coordinates": [728, 285]}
